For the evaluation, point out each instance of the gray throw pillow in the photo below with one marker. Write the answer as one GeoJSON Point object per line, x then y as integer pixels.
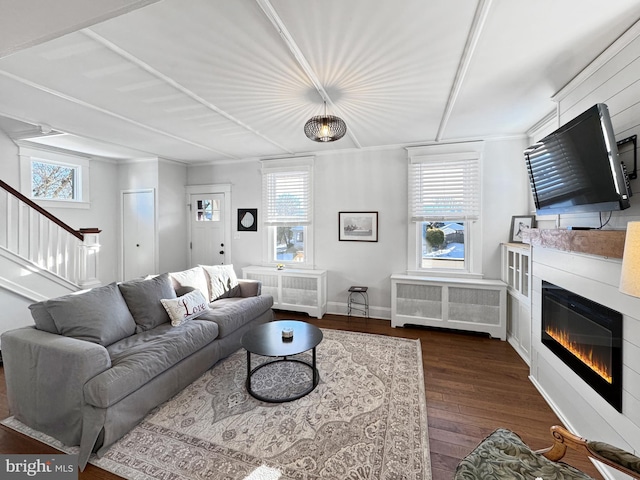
{"type": "Point", "coordinates": [42, 318]}
{"type": "Point", "coordinates": [100, 315]}
{"type": "Point", "coordinates": [143, 299]}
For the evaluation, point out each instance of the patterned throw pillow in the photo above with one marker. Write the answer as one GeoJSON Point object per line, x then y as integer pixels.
{"type": "Point", "coordinates": [223, 281]}
{"type": "Point", "coordinates": [194, 278]}
{"type": "Point", "coordinates": [186, 307]}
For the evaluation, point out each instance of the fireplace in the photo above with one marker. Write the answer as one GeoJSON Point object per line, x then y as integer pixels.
{"type": "Point", "coordinates": [587, 337]}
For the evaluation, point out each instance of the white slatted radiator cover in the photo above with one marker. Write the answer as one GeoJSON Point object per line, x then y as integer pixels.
{"type": "Point", "coordinates": [297, 290]}
{"type": "Point", "coordinates": [477, 305]}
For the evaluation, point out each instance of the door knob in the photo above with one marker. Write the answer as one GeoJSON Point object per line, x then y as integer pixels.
{"type": "Point", "coordinates": [221, 252]}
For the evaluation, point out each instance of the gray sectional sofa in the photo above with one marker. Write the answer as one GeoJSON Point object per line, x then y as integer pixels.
{"type": "Point", "coordinates": [97, 362]}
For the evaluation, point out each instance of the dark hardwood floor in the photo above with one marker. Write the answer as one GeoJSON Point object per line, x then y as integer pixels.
{"type": "Point", "coordinates": [473, 385]}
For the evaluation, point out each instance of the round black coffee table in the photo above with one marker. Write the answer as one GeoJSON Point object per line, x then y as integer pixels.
{"type": "Point", "coordinates": [266, 340]}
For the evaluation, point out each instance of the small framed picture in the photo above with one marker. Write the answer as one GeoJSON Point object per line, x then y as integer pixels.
{"type": "Point", "coordinates": [518, 224]}
{"type": "Point", "coordinates": [247, 219]}
{"type": "Point", "coordinates": [358, 226]}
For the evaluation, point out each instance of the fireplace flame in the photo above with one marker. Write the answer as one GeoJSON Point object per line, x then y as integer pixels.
{"type": "Point", "coordinates": [585, 355]}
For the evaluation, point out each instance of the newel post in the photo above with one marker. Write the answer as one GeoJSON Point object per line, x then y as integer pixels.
{"type": "Point", "coordinates": [88, 258]}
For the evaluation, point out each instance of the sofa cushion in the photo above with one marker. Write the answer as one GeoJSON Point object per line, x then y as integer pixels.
{"type": "Point", "coordinates": [140, 358]}
{"type": "Point", "coordinates": [99, 315]}
{"type": "Point", "coordinates": [186, 307]}
{"type": "Point", "coordinates": [143, 299]}
{"type": "Point", "coordinates": [194, 277]}
{"type": "Point", "coordinates": [223, 281]}
{"type": "Point", "coordinates": [233, 313]}
{"type": "Point", "coordinates": [42, 318]}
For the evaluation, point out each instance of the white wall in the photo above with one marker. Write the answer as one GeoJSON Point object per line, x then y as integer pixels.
{"type": "Point", "coordinates": [372, 181]}
{"type": "Point", "coordinates": [10, 167]}
{"type": "Point", "coordinates": [577, 404]}
{"type": "Point", "coordinates": [611, 79]}
{"type": "Point", "coordinates": [172, 219]}
{"type": "Point", "coordinates": [101, 214]}
{"type": "Point", "coordinates": [168, 180]}
{"type": "Point", "coordinates": [103, 179]}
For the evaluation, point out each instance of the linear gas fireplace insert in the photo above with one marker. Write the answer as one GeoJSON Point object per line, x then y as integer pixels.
{"type": "Point", "coordinates": [587, 337]}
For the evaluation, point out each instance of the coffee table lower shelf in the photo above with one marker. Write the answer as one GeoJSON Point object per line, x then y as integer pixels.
{"type": "Point", "coordinates": [312, 366]}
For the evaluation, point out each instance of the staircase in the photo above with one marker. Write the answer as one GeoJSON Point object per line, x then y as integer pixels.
{"type": "Point", "coordinates": [40, 257]}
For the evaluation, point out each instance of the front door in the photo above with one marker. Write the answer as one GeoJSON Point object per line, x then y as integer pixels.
{"type": "Point", "coordinates": [208, 229]}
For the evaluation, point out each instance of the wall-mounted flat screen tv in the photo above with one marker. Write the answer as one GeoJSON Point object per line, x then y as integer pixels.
{"type": "Point", "coordinates": [576, 168]}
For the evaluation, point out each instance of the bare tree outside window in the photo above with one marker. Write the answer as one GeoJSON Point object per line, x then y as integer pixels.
{"type": "Point", "coordinates": [52, 181]}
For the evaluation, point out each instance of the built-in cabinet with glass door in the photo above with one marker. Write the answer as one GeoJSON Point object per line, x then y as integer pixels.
{"type": "Point", "coordinates": [516, 273]}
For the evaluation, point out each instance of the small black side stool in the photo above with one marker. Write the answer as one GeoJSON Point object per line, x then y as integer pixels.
{"type": "Point", "coordinates": [358, 300]}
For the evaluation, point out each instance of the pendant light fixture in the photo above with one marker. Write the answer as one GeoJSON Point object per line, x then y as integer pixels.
{"type": "Point", "coordinates": [325, 128]}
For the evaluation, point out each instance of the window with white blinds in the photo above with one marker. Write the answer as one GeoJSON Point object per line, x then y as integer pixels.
{"type": "Point", "coordinates": [444, 187]}
{"type": "Point", "coordinates": [287, 205]}
{"type": "Point", "coordinates": [286, 195]}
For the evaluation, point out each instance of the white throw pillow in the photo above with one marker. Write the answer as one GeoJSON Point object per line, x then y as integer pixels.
{"type": "Point", "coordinates": [186, 307]}
{"type": "Point", "coordinates": [194, 278]}
{"type": "Point", "coordinates": [222, 280]}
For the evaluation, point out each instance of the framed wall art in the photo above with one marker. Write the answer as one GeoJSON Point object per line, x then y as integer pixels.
{"type": "Point", "coordinates": [247, 219]}
{"type": "Point", "coordinates": [358, 226]}
{"type": "Point", "coordinates": [519, 223]}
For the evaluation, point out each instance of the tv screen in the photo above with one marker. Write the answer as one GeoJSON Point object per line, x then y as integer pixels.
{"type": "Point", "coordinates": [576, 168]}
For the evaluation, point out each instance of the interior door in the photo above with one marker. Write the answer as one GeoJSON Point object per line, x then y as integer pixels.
{"type": "Point", "coordinates": [208, 229]}
{"type": "Point", "coordinates": [138, 234]}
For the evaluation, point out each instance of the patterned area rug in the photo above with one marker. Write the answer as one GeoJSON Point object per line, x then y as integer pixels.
{"type": "Point", "coordinates": [365, 420]}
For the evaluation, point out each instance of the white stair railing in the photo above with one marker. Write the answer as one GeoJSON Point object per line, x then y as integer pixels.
{"type": "Point", "coordinates": [28, 230]}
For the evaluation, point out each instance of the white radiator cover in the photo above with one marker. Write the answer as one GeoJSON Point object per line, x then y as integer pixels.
{"type": "Point", "coordinates": [296, 290]}
{"type": "Point", "coordinates": [476, 305]}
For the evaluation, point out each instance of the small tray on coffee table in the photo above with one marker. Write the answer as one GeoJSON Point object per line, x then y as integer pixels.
{"type": "Point", "coordinates": [268, 340]}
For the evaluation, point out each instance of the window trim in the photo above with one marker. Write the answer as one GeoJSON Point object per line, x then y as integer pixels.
{"type": "Point", "coordinates": [268, 235]}
{"type": "Point", "coordinates": [473, 227]}
{"type": "Point", "coordinates": [81, 164]}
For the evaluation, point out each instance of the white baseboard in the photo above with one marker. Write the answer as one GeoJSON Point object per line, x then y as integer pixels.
{"type": "Point", "coordinates": [341, 308]}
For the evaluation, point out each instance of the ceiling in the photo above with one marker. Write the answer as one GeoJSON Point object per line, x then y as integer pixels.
{"type": "Point", "coordinates": [220, 80]}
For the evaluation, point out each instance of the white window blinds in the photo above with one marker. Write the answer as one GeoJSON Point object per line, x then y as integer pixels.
{"type": "Point", "coordinates": [444, 187]}
{"type": "Point", "coordinates": [286, 195]}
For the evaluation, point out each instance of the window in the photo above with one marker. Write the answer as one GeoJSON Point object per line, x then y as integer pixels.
{"type": "Point", "coordinates": [54, 179]}
{"type": "Point", "coordinates": [444, 208]}
{"type": "Point", "coordinates": [443, 245]}
{"type": "Point", "coordinates": [287, 203]}
{"type": "Point", "coordinates": [207, 210]}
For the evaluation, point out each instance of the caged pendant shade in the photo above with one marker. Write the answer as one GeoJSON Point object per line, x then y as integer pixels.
{"type": "Point", "coordinates": [325, 128]}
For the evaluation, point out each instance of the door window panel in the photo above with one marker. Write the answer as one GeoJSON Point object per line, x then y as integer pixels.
{"type": "Point", "coordinates": [208, 211]}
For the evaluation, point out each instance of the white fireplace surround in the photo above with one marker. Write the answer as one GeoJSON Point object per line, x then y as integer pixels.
{"type": "Point", "coordinates": [578, 406]}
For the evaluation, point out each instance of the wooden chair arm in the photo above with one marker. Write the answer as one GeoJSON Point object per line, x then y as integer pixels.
{"type": "Point", "coordinates": [563, 438]}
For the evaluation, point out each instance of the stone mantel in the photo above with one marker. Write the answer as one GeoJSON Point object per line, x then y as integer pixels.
{"type": "Point", "coordinates": [605, 243]}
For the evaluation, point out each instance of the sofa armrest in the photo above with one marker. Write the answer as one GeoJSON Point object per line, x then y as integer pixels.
{"type": "Point", "coordinates": [250, 288]}
{"type": "Point", "coordinates": [45, 374]}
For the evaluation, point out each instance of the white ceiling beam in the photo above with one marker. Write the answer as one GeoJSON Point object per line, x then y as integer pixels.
{"type": "Point", "coordinates": [477, 26]}
{"type": "Point", "coordinates": [279, 25]}
{"type": "Point", "coordinates": [181, 88]}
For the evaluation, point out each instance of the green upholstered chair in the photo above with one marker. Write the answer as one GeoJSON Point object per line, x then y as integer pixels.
{"type": "Point", "coordinates": [503, 455]}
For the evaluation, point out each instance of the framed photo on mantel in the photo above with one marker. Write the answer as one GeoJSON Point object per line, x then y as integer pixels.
{"type": "Point", "coordinates": [358, 226]}
{"type": "Point", "coordinates": [518, 224]}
